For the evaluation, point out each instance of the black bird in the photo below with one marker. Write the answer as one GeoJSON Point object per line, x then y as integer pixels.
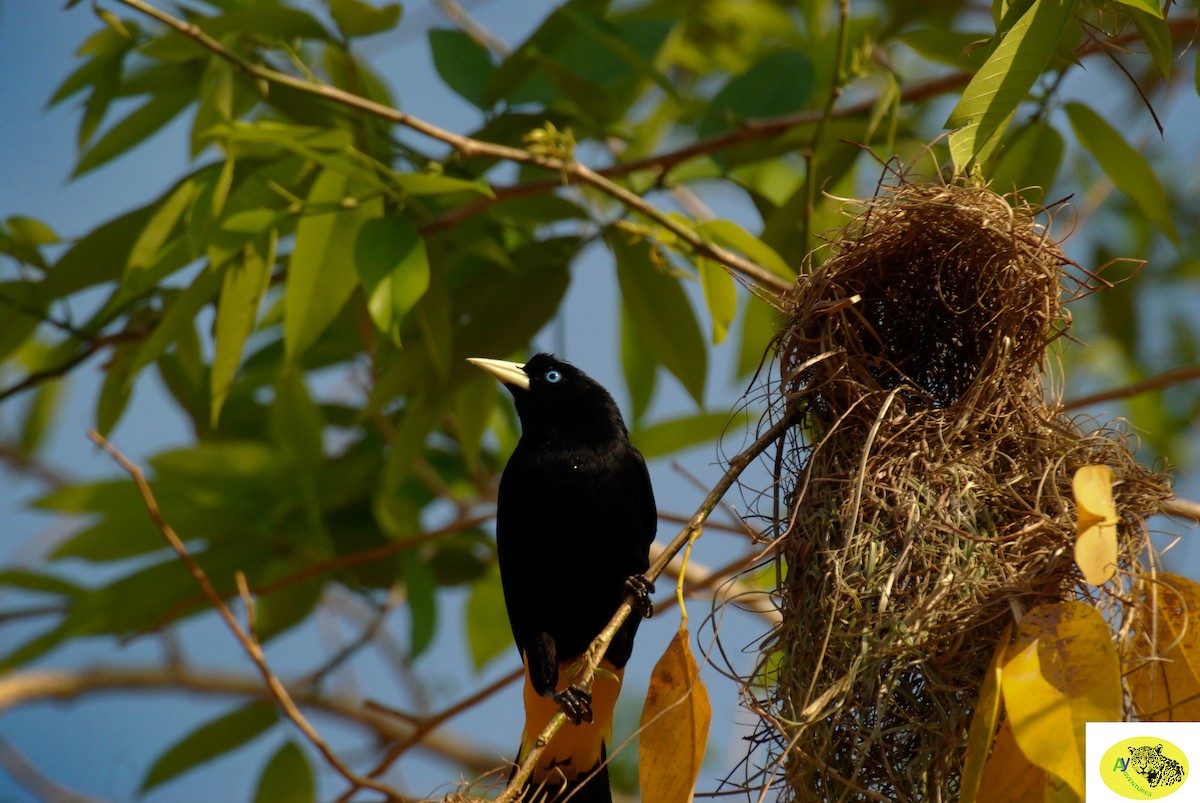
{"type": "Point", "coordinates": [574, 523]}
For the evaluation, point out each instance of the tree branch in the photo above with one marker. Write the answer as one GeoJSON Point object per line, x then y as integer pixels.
{"type": "Point", "coordinates": [23, 771]}
{"type": "Point", "coordinates": [250, 644]}
{"type": "Point", "coordinates": [471, 148]}
{"type": "Point", "coordinates": [37, 685]}
{"type": "Point", "coordinates": [1172, 377]}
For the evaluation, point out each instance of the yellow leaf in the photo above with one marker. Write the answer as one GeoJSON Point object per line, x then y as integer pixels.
{"type": "Point", "coordinates": [675, 724]}
{"type": "Point", "coordinates": [1093, 493]}
{"type": "Point", "coordinates": [1096, 531]}
{"type": "Point", "coordinates": [1061, 673]}
{"type": "Point", "coordinates": [1008, 775]}
{"type": "Point", "coordinates": [1166, 689]}
{"type": "Point", "coordinates": [983, 723]}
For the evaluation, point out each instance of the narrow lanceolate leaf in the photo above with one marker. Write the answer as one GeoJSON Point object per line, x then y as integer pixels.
{"type": "Point", "coordinates": [1096, 529]}
{"type": "Point", "coordinates": [661, 314]}
{"type": "Point", "coordinates": [1004, 80]}
{"type": "Point", "coordinates": [1061, 673]}
{"type": "Point", "coordinates": [393, 268]}
{"type": "Point", "coordinates": [1165, 683]}
{"type": "Point", "coordinates": [462, 63]}
{"type": "Point", "coordinates": [321, 274]}
{"type": "Point", "coordinates": [675, 724]}
{"type": "Point", "coordinates": [220, 736]}
{"type": "Point", "coordinates": [179, 318]}
{"type": "Point", "coordinates": [720, 295]}
{"type": "Point", "coordinates": [487, 629]}
{"type": "Point", "coordinates": [136, 128]}
{"type": "Point", "coordinates": [731, 235]}
{"type": "Point", "coordinates": [1029, 162]}
{"type": "Point", "coordinates": [242, 288]}
{"type": "Point", "coordinates": [677, 434]}
{"type": "Point", "coordinates": [983, 723]}
{"type": "Point", "coordinates": [1127, 168]}
{"type": "Point", "coordinates": [287, 778]}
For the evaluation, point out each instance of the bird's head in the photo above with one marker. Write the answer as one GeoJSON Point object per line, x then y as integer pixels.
{"type": "Point", "coordinates": [554, 398]}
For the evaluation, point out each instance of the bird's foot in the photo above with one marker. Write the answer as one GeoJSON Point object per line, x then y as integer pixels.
{"type": "Point", "coordinates": [641, 589]}
{"type": "Point", "coordinates": [576, 704]}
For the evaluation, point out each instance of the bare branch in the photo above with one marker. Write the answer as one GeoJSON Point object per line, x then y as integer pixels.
{"type": "Point", "coordinates": [276, 688]}
{"type": "Point", "coordinates": [38, 685]}
{"type": "Point", "coordinates": [1182, 508]}
{"type": "Point", "coordinates": [1172, 377]}
{"type": "Point", "coordinates": [23, 771]}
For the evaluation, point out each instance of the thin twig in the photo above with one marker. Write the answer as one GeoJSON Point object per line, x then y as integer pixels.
{"type": "Point", "coordinates": [599, 646]}
{"type": "Point", "coordinates": [30, 686]}
{"type": "Point", "coordinates": [1172, 377]}
{"type": "Point", "coordinates": [276, 688]}
{"type": "Point", "coordinates": [424, 725]}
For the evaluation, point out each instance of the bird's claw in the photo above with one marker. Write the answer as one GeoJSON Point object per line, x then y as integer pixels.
{"type": "Point", "coordinates": [641, 589]}
{"type": "Point", "coordinates": [576, 704]}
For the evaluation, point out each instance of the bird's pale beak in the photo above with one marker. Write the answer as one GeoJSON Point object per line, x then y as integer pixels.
{"type": "Point", "coordinates": [510, 373]}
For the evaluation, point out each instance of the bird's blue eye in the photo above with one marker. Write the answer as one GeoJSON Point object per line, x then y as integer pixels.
{"type": "Point", "coordinates": [553, 376]}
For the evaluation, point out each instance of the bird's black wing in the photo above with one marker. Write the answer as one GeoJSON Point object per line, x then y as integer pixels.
{"type": "Point", "coordinates": [570, 530]}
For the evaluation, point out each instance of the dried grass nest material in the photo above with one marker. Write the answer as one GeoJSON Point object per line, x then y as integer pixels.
{"type": "Point", "coordinates": [927, 486]}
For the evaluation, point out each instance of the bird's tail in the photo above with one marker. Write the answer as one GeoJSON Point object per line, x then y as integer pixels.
{"type": "Point", "coordinates": [574, 766]}
{"type": "Point", "coordinates": [589, 787]}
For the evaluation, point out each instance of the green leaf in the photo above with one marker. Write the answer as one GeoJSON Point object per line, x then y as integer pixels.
{"type": "Point", "coordinates": [321, 274]}
{"type": "Point", "coordinates": [39, 583]}
{"type": "Point", "coordinates": [437, 184]}
{"type": "Point", "coordinates": [641, 372]}
{"type": "Point", "coordinates": [685, 432]}
{"type": "Point", "coordinates": [1151, 7]}
{"type": "Point", "coordinates": [1004, 81]}
{"type": "Point", "coordinates": [356, 18]}
{"type": "Point", "coordinates": [473, 405]}
{"type": "Point", "coordinates": [161, 225]}
{"type": "Point", "coordinates": [287, 778]}
{"type": "Point", "coordinates": [661, 314]}
{"type": "Point", "coordinates": [760, 322]}
{"type": "Point", "coordinates": [116, 389]}
{"type": "Point", "coordinates": [1123, 164]}
{"type": "Point", "coordinates": [265, 19]}
{"type": "Point", "coordinates": [180, 316]}
{"type": "Point", "coordinates": [956, 48]}
{"type": "Point", "coordinates": [100, 256]}
{"type": "Point", "coordinates": [720, 294]}
{"type": "Point", "coordinates": [216, 738]}
{"type": "Point", "coordinates": [1028, 162]}
{"type": "Point", "coordinates": [296, 424]}
{"type": "Point", "coordinates": [393, 268]}
{"type": "Point", "coordinates": [242, 288]}
{"type": "Point", "coordinates": [462, 63]}
{"type": "Point", "coordinates": [139, 126]}
{"type": "Point", "coordinates": [30, 231]}
{"type": "Point", "coordinates": [1156, 34]}
{"type": "Point", "coordinates": [780, 83]}
{"type": "Point", "coordinates": [731, 235]}
{"type": "Point", "coordinates": [488, 632]}
{"type": "Point", "coordinates": [419, 586]}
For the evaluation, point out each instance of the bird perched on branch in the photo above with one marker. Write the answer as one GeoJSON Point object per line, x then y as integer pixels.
{"type": "Point", "coordinates": [574, 524]}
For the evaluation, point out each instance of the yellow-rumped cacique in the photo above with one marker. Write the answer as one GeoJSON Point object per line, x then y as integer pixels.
{"type": "Point", "coordinates": [574, 523]}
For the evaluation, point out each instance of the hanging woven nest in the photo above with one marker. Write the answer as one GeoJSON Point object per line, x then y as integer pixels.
{"type": "Point", "coordinates": [926, 486]}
